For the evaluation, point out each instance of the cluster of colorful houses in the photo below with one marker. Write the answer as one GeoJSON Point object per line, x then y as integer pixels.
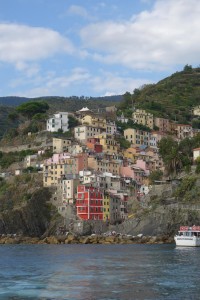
{"type": "Point", "coordinates": [91, 173]}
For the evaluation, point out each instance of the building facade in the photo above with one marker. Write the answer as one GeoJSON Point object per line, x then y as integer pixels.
{"type": "Point", "coordinates": [137, 137]}
{"type": "Point", "coordinates": [162, 124]}
{"type": "Point", "coordinates": [89, 203]}
{"type": "Point", "coordinates": [58, 121]}
{"type": "Point", "coordinates": [83, 132]}
{"type": "Point", "coordinates": [61, 145]}
{"type": "Point", "coordinates": [142, 117]}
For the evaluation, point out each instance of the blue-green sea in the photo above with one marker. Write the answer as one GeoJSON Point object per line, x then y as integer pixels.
{"type": "Point", "coordinates": [88, 272]}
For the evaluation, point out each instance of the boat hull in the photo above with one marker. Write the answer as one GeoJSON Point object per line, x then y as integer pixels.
{"type": "Point", "coordinates": [187, 241]}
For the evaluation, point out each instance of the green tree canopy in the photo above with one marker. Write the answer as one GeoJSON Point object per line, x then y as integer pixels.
{"type": "Point", "coordinates": [155, 175]}
{"type": "Point", "coordinates": [29, 109]}
{"type": "Point", "coordinates": [169, 151]}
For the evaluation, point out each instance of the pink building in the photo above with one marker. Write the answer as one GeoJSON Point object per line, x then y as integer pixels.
{"type": "Point", "coordinates": [142, 164]}
{"type": "Point", "coordinates": [133, 172]}
{"type": "Point", "coordinates": [80, 160]}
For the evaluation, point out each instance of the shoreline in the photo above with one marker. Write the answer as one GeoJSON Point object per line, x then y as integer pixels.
{"type": "Point", "coordinates": [90, 239]}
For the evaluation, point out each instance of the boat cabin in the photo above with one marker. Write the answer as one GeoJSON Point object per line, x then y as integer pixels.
{"type": "Point", "coordinates": [189, 231]}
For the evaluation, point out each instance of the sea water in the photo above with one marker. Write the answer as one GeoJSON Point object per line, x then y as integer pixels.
{"type": "Point", "coordinates": [99, 272]}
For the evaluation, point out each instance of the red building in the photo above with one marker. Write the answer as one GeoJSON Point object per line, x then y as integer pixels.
{"type": "Point", "coordinates": [89, 203]}
{"type": "Point", "coordinates": [94, 145]}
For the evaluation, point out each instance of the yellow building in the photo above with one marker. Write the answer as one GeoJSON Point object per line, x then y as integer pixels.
{"type": "Point", "coordinates": [94, 121]}
{"type": "Point", "coordinates": [137, 137]}
{"type": "Point", "coordinates": [60, 165]}
{"type": "Point", "coordinates": [61, 145]}
{"type": "Point", "coordinates": [84, 132]}
{"type": "Point", "coordinates": [140, 116]}
{"type": "Point", "coordinates": [130, 153]}
{"type": "Point", "coordinates": [108, 143]}
{"type": "Point", "coordinates": [104, 165]}
{"type": "Point", "coordinates": [52, 174]}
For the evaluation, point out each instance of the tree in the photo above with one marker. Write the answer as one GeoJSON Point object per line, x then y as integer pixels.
{"type": "Point", "coordinates": [169, 151]}
{"type": "Point", "coordinates": [173, 162]}
{"type": "Point", "coordinates": [165, 145]}
{"type": "Point", "coordinates": [155, 175]}
{"type": "Point", "coordinates": [197, 170]}
{"type": "Point", "coordinates": [73, 122]}
{"type": "Point", "coordinates": [187, 68]}
{"type": "Point", "coordinates": [13, 116]}
{"type": "Point", "coordinates": [185, 147]}
{"type": "Point", "coordinates": [124, 144]}
{"type": "Point", "coordinates": [29, 109]}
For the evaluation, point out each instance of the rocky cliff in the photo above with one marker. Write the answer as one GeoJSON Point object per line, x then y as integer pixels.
{"type": "Point", "coordinates": [32, 219]}
{"type": "Point", "coordinates": [25, 207]}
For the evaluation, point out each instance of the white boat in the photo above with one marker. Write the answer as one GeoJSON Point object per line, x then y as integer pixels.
{"type": "Point", "coordinates": [188, 236]}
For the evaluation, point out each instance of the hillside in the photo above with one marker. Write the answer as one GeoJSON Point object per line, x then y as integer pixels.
{"type": "Point", "coordinates": [172, 97]}
{"type": "Point", "coordinates": [106, 101]}
{"type": "Point", "coordinates": [71, 104]}
{"type": "Point", "coordinates": [5, 122]}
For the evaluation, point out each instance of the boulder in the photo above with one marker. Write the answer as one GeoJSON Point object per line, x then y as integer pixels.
{"type": "Point", "coordinates": [152, 240]}
{"type": "Point", "coordinates": [111, 239]}
{"type": "Point", "coordinates": [85, 240]}
{"type": "Point", "coordinates": [52, 240]}
{"type": "Point", "coordinates": [71, 239]}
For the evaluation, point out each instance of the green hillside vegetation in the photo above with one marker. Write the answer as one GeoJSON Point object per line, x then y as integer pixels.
{"type": "Point", "coordinates": [6, 159]}
{"type": "Point", "coordinates": [16, 101]}
{"type": "Point", "coordinates": [173, 97]}
{"type": "Point", "coordinates": [73, 104]}
{"type": "Point", "coordinates": [8, 119]}
{"type": "Point", "coordinates": [12, 116]}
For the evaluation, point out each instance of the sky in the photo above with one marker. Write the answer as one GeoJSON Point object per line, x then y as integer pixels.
{"type": "Point", "coordinates": [94, 48]}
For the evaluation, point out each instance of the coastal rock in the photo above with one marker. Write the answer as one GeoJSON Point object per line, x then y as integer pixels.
{"type": "Point", "coordinates": [10, 240]}
{"type": "Point", "coordinates": [152, 240]}
{"type": "Point", "coordinates": [51, 240]}
{"type": "Point", "coordinates": [110, 239]}
{"type": "Point", "coordinates": [71, 239]}
{"type": "Point", "coordinates": [85, 240]}
{"type": "Point", "coordinates": [144, 239]}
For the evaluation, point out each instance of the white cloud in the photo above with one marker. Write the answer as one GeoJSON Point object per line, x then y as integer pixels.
{"type": "Point", "coordinates": [30, 69]}
{"type": "Point", "coordinates": [77, 76]}
{"type": "Point", "coordinates": [109, 83]}
{"type": "Point", "coordinates": [50, 84]}
{"type": "Point", "coordinates": [80, 80]}
{"type": "Point", "coordinates": [79, 11]}
{"type": "Point", "coordinates": [155, 39]}
{"type": "Point", "coordinates": [21, 44]}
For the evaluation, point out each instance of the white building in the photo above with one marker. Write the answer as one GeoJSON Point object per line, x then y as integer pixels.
{"type": "Point", "coordinates": [68, 187]}
{"type": "Point", "coordinates": [122, 119]}
{"type": "Point", "coordinates": [196, 111]}
{"type": "Point", "coordinates": [58, 121]}
{"type": "Point", "coordinates": [111, 127]}
{"type": "Point", "coordinates": [196, 153]}
{"type": "Point", "coordinates": [30, 161]}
